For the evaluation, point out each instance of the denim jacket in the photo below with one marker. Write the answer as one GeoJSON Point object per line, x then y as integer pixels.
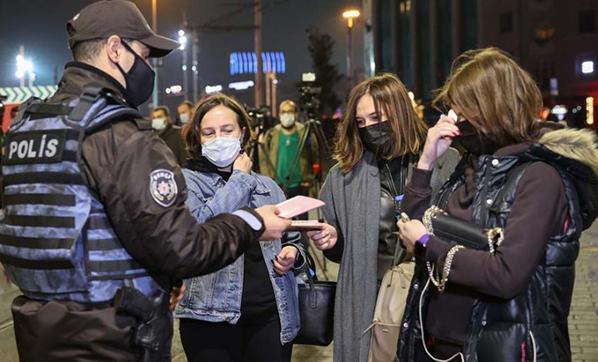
{"type": "Point", "coordinates": [216, 297]}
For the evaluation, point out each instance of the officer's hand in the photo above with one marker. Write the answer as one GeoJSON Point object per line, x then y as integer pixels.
{"type": "Point", "coordinates": [274, 224]}
{"type": "Point", "coordinates": [285, 260]}
{"type": "Point", "coordinates": [176, 295]}
{"type": "Point", "coordinates": [243, 163]}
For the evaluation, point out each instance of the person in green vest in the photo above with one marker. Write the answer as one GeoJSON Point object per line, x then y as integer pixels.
{"type": "Point", "coordinates": [279, 159]}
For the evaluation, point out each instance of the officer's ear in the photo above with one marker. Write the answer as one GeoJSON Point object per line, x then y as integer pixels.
{"type": "Point", "coordinates": [114, 48]}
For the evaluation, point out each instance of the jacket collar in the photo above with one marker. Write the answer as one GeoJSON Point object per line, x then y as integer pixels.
{"type": "Point", "coordinates": [78, 76]}
{"type": "Point", "coordinates": [217, 176]}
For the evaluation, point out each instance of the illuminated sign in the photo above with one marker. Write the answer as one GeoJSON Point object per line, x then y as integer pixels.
{"type": "Point", "coordinates": [308, 77]}
{"type": "Point", "coordinates": [587, 67]}
{"type": "Point", "coordinates": [560, 111]}
{"type": "Point", "coordinates": [174, 90]}
{"type": "Point", "coordinates": [554, 87]}
{"type": "Point", "coordinates": [241, 85]}
{"type": "Point", "coordinates": [590, 110]}
{"type": "Point", "coordinates": [213, 88]}
{"type": "Point", "coordinates": [246, 62]}
{"type": "Point", "coordinates": [21, 94]}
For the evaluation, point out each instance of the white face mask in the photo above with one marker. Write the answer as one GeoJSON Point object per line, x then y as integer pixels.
{"type": "Point", "coordinates": [287, 120]}
{"type": "Point", "coordinates": [221, 151]}
{"type": "Point", "coordinates": [184, 117]}
{"type": "Point", "coordinates": [159, 123]}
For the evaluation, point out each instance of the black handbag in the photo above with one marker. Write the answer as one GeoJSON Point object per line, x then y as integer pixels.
{"type": "Point", "coordinates": [316, 308]}
{"type": "Point", "coordinates": [468, 234]}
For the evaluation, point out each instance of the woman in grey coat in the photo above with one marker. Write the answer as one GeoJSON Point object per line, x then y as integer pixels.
{"type": "Point", "coordinates": [377, 145]}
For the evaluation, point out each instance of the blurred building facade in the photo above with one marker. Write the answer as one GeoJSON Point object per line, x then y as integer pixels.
{"type": "Point", "coordinates": [555, 40]}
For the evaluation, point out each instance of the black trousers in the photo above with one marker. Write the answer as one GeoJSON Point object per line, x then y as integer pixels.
{"type": "Point", "coordinates": [247, 341]}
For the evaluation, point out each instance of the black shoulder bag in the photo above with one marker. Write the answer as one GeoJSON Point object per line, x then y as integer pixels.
{"type": "Point", "coordinates": [449, 228]}
{"type": "Point", "coordinates": [316, 308]}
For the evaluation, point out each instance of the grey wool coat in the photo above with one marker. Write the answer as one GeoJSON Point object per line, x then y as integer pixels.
{"type": "Point", "coordinates": [353, 208]}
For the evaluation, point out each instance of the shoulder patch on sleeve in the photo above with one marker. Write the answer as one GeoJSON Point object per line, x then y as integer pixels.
{"type": "Point", "coordinates": [163, 187]}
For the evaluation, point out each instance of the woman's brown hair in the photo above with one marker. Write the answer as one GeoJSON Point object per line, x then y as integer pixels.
{"type": "Point", "coordinates": [495, 94]}
{"type": "Point", "coordinates": [192, 130]}
{"type": "Point", "coordinates": [408, 132]}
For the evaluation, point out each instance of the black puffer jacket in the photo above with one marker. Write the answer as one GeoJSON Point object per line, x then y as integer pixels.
{"type": "Point", "coordinates": [534, 322]}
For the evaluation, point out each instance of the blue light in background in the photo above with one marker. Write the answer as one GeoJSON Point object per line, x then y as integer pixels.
{"type": "Point", "coordinates": [253, 63]}
{"type": "Point", "coordinates": [246, 62]}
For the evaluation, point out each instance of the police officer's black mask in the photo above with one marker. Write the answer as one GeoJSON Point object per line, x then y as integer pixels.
{"type": "Point", "coordinates": [139, 79]}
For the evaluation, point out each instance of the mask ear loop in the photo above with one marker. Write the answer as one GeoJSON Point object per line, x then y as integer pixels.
{"type": "Point", "coordinates": [130, 50]}
{"type": "Point", "coordinates": [241, 140]}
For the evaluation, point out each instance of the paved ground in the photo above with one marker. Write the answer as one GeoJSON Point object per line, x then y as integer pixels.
{"type": "Point", "coordinates": [583, 320]}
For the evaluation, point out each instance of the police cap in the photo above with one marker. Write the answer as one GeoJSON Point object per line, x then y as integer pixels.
{"type": "Point", "coordinates": [116, 17]}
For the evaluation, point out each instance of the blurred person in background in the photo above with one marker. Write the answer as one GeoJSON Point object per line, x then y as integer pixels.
{"type": "Point", "coordinates": [171, 134]}
{"type": "Point", "coordinates": [283, 160]}
{"type": "Point", "coordinates": [184, 113]}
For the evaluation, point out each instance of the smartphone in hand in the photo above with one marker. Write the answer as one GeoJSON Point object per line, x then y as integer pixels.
{"type": "Point", "coordinates": [298, 205]}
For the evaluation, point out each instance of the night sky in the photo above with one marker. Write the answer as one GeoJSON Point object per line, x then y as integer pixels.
{"type": "Point", "coordinates": [39, 25]}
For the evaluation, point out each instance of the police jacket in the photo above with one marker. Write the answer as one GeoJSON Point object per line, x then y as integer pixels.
{"type": "Point", "coordinates": [118, 161]}
{"type": "Point", "coordinates": [524, 320]}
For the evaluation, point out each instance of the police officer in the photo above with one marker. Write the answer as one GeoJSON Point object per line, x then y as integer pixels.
{"type": "Point", "coordinates": [96, 232]}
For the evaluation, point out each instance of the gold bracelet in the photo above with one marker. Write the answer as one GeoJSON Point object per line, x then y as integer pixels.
{"type": "Point", "coordinates": [495, 236]}
{"type": "Point", "coordinates": [435, 281]}
{"type": "Point", "coordinates": [448, 261]}
{"type": "Point", "coordinates": [429, 215]}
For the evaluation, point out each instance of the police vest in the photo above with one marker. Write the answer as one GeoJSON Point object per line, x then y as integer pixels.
{"type": "Point", "coordinates": [56, 241]}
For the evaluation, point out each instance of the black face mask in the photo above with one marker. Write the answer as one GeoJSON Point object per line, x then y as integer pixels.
{"type": "Point", "coordinates": [139, 80]}
{"type": "Point", "coordinates": [474, 142]}
{"type": "Point", "coordinates": [375, 138]}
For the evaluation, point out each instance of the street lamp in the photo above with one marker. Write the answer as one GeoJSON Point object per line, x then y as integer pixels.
{"type": "Point", "coordinates": [182, 39]}
{"type": "Point", "coordinates": [24, 69]}
{"type": "Point", "coordinates": [350, 15]}
{"type": "Point", "coordinates": [155, 92]}
{"type": "Point", "coordinates": [183, 48]}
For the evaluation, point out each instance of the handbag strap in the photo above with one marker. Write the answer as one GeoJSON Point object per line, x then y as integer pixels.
{"type": "Point", "coordinates": [311, 291]}
{"type": "Point", "coordinates": [399, 252]}
{"type": "Point", "coordinates": [310, 280]}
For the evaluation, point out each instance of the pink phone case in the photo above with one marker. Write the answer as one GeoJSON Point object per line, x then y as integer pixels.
{"type": "Point", "coordinates": [305, 225]}
{"type": "Point", "coordinates": [298, 205]}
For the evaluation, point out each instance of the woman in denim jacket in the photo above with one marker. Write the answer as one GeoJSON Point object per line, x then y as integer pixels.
{"type": "Point", "coordinates": [247, 311]}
